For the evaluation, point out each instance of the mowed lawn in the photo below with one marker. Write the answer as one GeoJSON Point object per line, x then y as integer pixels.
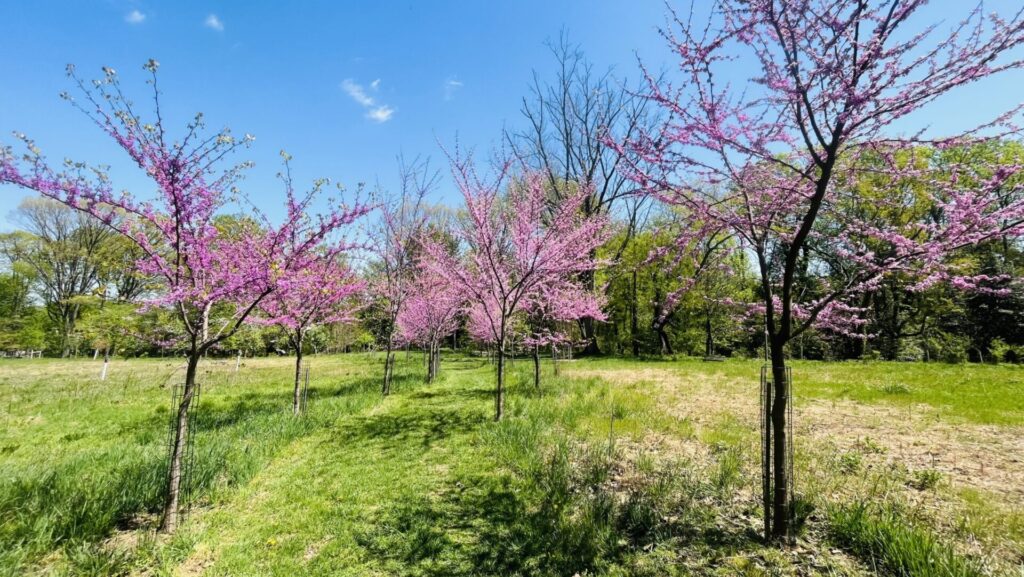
{"type": "Point", "coordinates": [613, 467]}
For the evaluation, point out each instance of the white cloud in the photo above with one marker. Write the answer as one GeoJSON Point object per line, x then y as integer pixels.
{"type": "Point", "coordinates": [135, 17]}
{"type": "Point", "coordinates": [381, 113]}
{"type": "Point", "coordinates": [374, 111]}
{"type": "Point", "coordinates": [356, 92]}
{"type": "Point", "coordinates": [213, 22]}
{"type": "Point", "coordinates": [451, 86]}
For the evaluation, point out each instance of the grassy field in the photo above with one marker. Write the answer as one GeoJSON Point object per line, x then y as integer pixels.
{"type": "Point", "coordinates": [614, 467]}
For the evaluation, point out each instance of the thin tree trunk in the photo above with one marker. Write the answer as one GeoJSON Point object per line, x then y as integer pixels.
{"type": "Point", "coordinates": [666, 345]}
{"type": "Point", "coordinates": [709, 339]}
{"type": "Point", "coordinates": [536, 366]}
{"type": "Point", "coordinates": [67, 326]}
{"type": "Point", "coordinates": [106, 363]}
{"type": "Point", "coordinates": [169, 522]}
{"type": "Point", "coordinates": [779, 440]}
{"type": "Point", "coordinates": [554, 359]}
{"type": "Point", "coordinates": [499, 393]}
{"type": "Point", "coordinates": [388, 364]}
{"type": "Point", "coordinates": [431, 364]}
{"type": "Point", "coordinates": [590, 335]}
{"type": "Point", "coordinates": [297, 393]}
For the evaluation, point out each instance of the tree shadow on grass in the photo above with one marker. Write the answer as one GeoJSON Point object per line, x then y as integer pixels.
{"type": "Point", "coordinates": [222, 415]}
{"type": "Point", "coordinates": [554, 520]}
{"type": "Point", "coordinates": [492, 527]}
{"type": "Point", "coordinates": [473, 393]}
{"type": "Point", "coordinates": [425, 427]}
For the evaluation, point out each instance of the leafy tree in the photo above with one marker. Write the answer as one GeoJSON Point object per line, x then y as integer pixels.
{"type": "Point", "coordinates": [64, 248]}
{"type": "Point", "coordinates": [567, 122]}
{"type": "Point", "coordinates": [212, 279]}
{"type": "Point", "coordinates": [764, 164]}
{"type": "Point", "coordinates": [517, 249]}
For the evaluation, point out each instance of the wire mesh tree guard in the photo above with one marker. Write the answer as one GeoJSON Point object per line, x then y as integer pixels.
{"type": "Point", "coordinates": [188, 455]}
{"type": "Point", "coordinates": [768, 400]}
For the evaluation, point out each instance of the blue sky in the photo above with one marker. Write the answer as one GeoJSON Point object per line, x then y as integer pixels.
{"type": "Point", "coordinates": [342, 86]}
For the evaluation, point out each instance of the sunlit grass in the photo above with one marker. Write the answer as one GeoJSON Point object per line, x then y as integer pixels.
{"type": "Point", "coordinates": [614, 468]}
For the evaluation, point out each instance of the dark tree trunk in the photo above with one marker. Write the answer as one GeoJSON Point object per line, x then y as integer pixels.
{"type": "Point", "coordinates": [499, 393]}
{"type": "Point", "coordinates": [587, 323]}
{"type": "Point", "coordinates": [666, 344]}
{"type": "Point", "coordinates": [709, 338]}
{"type": "Point", "coordinates": [172, 503]}
{"type": "Point", "coordinates": [389, 363]}
{"type": "Point", "coordinates": [554, 359]}
{"type": "Point", "coordinates": [779, 440]}
{"type": "Point", "coordinates": [536, 366]}
{"type": "Point", "coordinates": [590, 335]}
{"type": "Point", "coordinates": [431, 362]}
{"type": "Point", "coordinates": [297, 393]}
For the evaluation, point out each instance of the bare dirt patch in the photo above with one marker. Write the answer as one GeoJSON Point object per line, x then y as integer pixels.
{"type": "Point", "coordinates": [985, 457]}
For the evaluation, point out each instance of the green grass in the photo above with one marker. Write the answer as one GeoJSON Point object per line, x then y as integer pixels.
{"type": "Point", "coordinates": [982, 394]}
{"type": "Point", "coordinates": [84, 458]}
{"type": "Point", "coordinates": [887, 541]}
{"type": "Point", "coordinates": [590, 475]}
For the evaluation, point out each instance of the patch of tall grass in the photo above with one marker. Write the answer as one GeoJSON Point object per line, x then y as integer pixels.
{"type": "Point", "coordinates": [891, 544]}
{"type": "Point", "coordinates": [74, 503]}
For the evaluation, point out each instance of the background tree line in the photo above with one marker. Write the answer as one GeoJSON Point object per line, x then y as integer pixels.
{"type": "Point", "coordinates": [68, 286]}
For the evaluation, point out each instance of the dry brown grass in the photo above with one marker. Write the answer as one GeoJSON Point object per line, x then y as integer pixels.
{"type": "Point", "coordinates": [910, 453]}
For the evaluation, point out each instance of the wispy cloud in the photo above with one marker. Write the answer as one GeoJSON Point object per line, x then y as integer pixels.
{"type": "Point", "coordinates": [135, 17]}
{"type": "Point", "coordinates": [451, 86]}
{"type": "Point", "coordinates": [214, 23]}
{"type": "Point", "coordinates": [356, 92]}
{"type": "Point", "coordinates": [381, 113]}
{"type": "Point", "coordinates": [375, 111]}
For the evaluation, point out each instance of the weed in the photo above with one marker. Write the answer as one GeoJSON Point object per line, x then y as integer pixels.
{"type": "Point", "coordinates": [849, 463]}
{"type": "Point", "coordinates": [926, 479]}
{"type": "Point", "coordinates": [893, 388]}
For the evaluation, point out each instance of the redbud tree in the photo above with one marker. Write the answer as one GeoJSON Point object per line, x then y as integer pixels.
{"type": "Point", "coordinates": [213, 279]}
{"type": "Point", "coordinates": [517, 246]}
{"type": "Point", "coordinates": [776, 159]}
{"type": "Point", "coordinates": [429, 315]}
{"type": "Point", "coordinates": [393, 243]}
{"type": "Point", "coordinates": [552, 307]}
{"type": "Point", "coordinates": [317, 289]}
